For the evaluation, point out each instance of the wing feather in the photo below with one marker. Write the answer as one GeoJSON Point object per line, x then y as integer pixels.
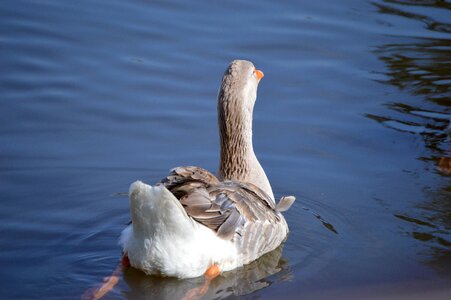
{"type": "Point", "coordinates": [236, 211]}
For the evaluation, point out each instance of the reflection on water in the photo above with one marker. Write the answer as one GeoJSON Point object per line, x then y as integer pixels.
{"type": "Point", "coordinates": [429, 22]}
{"type": "Point", "coordinates": [250, 278]}
{"type": "Point", "coordinates": [420, 69]}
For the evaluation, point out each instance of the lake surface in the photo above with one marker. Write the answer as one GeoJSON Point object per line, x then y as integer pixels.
{"type": "Point", "coordinates": [351, 118]}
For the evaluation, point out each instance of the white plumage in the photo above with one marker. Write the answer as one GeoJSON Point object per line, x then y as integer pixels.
{"type": "Point", "coordinates": [163, 239]}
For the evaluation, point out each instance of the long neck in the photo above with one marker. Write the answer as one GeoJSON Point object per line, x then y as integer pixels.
{"type": "Point", "coordinates": [237, 154]}
{"type": "Point", "coordinates": [238, 160]}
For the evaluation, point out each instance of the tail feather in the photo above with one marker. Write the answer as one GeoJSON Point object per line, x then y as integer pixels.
{"type": "Point", "coordinates": [154, 208]}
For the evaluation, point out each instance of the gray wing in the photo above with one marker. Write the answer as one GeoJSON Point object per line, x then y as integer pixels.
{"type": "Point", "coordinates": [183, 180]}
{"type": "Point", "coordinates": [236, 211]}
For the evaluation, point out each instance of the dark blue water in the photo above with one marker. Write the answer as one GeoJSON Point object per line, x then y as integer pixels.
{"type": "Point", "coordinates": [351, 118]}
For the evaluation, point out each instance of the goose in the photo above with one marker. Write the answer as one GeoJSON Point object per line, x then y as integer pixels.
{"type": "Point", "coordinates": [193, 223]}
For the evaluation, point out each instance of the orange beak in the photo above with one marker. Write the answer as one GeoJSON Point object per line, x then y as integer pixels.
{"type": "Point", "coordinates": [259, 74]}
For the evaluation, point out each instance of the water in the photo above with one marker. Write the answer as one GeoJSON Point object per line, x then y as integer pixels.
{"type": "Point", "coordinates": [351, 118]}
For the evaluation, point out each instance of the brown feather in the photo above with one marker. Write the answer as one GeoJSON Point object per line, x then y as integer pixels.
{"type": "Point", "coordinates": [225, 207]}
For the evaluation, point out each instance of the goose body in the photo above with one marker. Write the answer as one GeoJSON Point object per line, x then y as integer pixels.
{"type": "Point", "coordinates": [192, 219]}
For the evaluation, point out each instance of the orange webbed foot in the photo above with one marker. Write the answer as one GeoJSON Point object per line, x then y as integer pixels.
{"type": "Point", "coordinates": [109, 282]}
{"type": "Point", "coordinates": [212, 272]}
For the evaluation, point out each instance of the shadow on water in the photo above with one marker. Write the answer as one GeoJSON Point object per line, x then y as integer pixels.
{"type": "Point", "coordinates": [420, 69]}
{"type": "Point", "coordinates": [258, 275]}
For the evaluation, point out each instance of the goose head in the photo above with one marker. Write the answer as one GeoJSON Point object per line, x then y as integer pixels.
{"type": "Point", "coordinates": [238, 90]}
